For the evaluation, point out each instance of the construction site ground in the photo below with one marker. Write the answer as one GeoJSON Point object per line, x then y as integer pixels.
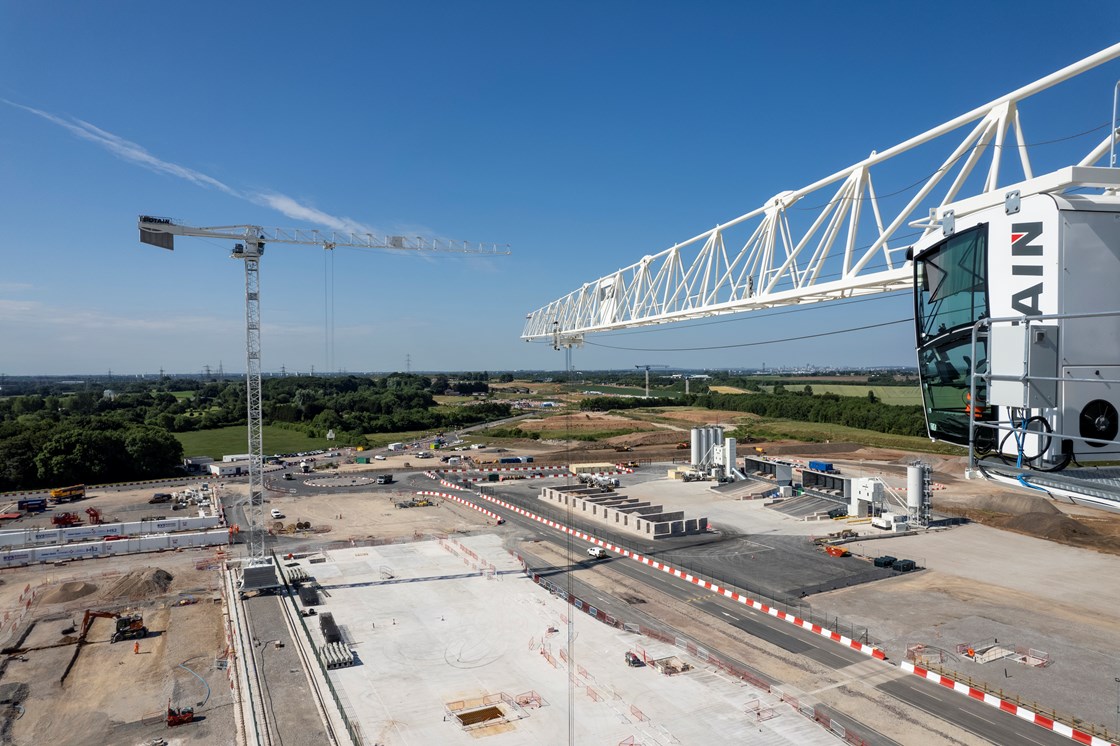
{"type": "Point", "coordinates": [114, 503]}
{"type": "Point", "coordinates": [459, 629]}
{"type": "Point", "coordinates": [113, 694]}
{"type": "Point", "coordinates": [982, 582]}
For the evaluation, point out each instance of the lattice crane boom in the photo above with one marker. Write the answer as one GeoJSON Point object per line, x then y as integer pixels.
{"type": "Point", "coordinates": [251, 241]}
{"type": "Point", "coordinates": [840, 247]}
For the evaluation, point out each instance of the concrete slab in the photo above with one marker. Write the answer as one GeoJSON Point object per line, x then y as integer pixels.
{"type": "Point", "coordinates": [461, 629]}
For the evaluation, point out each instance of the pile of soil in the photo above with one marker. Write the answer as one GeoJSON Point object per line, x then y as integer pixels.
{"type": "Point", "coordinates": [68, 592]}
{"type": "Point", "coordinates": [1014, 504]}
{"type": "Point", "coordinates": [1055, 526]}
{"type": "Point", "coordinates": [140, 584]}
{"type": "Point", "coordinates": [661, 437]}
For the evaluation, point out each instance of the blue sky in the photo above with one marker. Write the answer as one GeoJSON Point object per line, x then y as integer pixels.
{"type": "Point", "coordinates": [584, 135]}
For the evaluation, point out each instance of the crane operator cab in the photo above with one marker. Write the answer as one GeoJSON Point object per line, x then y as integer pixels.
{"type": "Point", "coordinates": [1017, 316]}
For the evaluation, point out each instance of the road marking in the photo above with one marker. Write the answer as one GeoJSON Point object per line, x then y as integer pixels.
{"type": "Point", "coordinates": [730, 616]}
{"type": "Point", "coordinates": [981, 717]}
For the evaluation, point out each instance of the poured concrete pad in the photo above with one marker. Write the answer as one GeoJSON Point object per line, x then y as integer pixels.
{"type": "Point", "coordinates": [458, 644]}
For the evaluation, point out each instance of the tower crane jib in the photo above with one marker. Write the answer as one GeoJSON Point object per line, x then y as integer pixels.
{"type": "Point", "coordinates": [249, 247]}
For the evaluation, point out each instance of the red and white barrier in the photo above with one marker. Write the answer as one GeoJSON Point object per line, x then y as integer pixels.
{"type": "Point", "coordinates": [1031, 716]}
{"type": "Point", "coordinates": [467, 503]}
{"type": "Point", "coordinates": [816, 629]}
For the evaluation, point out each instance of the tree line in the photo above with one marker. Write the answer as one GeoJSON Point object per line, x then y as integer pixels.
{"type": "Point", "coordinates": [51, 437]}
{"type": "Point", "coordinates": [804, 406]}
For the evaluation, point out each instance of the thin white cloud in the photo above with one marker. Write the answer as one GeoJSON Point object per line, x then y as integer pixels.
{"type": "Point", "coordinates": [134, 153]}
{"type": "Point", "coordinates": [284, 204]}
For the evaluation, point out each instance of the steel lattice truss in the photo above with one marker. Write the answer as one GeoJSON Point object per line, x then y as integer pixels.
{"type": "Point", "coordinates": [843, 250]}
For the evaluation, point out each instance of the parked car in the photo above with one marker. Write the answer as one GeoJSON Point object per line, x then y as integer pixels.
{"type": "Point", "coordinates": [276, 513]}
{"type": "Point", "coordinates": [379, 457]}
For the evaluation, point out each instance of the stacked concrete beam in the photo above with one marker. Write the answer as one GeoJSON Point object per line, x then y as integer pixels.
{"type": "Point", "coordinates": [624, 513]}
{"type": "Point", "coordinates": [336, 655]}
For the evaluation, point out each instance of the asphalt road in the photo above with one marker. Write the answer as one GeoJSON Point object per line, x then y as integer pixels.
{"type": "Point", "coordinates": [980, 719]}
{"type": "Point", "coordinates": [772, 567]}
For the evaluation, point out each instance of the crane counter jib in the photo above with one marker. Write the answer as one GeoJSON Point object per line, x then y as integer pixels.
{"type": "Point", "coordinates": [160, 231]}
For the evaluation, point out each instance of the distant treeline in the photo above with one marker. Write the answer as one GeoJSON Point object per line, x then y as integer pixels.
{"type": "Point", "coordinates": [607, 403]}
{"type": "Point", "coordinates": [51, 437]}
{"type": "Point", "coordinates": [802, 406]}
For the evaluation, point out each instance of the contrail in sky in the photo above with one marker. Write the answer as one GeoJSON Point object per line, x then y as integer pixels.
{"type": "Point", "coordinates": [134, 153]}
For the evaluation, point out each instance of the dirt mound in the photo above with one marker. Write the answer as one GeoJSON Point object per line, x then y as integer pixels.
{"type": "Point", "coordinates": [1013, 504]}
{"type": "Point", "coordinates": [69, 592]}
{"type": "Point", "coordinates": [797, 448]}
{"type": "Point", "coordinates": [1055, 526]}
{"type": "Point", "coordinates": [660, 437]}
{"type": "Point", "coordinates": [140, 584]}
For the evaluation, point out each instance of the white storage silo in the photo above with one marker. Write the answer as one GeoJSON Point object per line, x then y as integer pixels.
{"type": "Point", "coordinates": [915, 486]}
{"type": "Point", "coordinates": [729, 456]}
{"type": "Point", "coordinates": [695, 446]}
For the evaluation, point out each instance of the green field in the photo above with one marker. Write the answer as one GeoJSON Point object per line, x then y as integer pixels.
{"type": "Point", "coordinates": [616, 390]}
{"type": "Point", "coordinates": [818, 432]}
{"type": "Point", "coordinates": [885, 394]}
{"type": "Point", "coordinates": [227, 440]}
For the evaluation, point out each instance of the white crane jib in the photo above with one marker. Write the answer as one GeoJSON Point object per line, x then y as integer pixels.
{"type": "Point", "coordinates": [251, 240]}
{"type": "Point", "coordinates": [839, 247]}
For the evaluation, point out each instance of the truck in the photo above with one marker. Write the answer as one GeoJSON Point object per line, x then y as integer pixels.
{"type": "Point", "coordinates": [384, 478]}
{"type": "Point", "coordinates": [822, 466]}
{"type": "Point", "coordinates": [68, 494]}
{"type": "Point", "coordinates": [32, 504]}
{"type": "Point", "coordinates": [304, 467]}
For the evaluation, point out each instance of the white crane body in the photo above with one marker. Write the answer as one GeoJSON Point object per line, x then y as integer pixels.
{"type": "Point", "coordinates": [1027, 365]}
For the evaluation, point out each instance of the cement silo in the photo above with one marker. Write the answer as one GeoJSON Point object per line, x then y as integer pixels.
{"type": "Point", "coordinates": [695, 446]}
{"type": "Point", "coordinates": [918, 492]}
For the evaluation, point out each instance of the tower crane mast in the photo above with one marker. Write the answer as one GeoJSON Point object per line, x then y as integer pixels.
{"type": "Point", "coordinates": [249, 247]}
{"type": "Point", "coordinates": [647, 367]}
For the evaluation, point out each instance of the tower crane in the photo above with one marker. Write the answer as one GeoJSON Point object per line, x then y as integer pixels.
{"type": "Point", "coordinates": [647, 367]}
{"type": "Point", "coordinates": [250, 241]}
{"type": "Point", "coordinates": [1013, 272]}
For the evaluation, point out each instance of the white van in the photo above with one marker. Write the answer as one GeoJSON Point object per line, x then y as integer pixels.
{"type": "Point", "coordinates": [276, 513]}
{"type": "Point", "coordinates": [597, 553]}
